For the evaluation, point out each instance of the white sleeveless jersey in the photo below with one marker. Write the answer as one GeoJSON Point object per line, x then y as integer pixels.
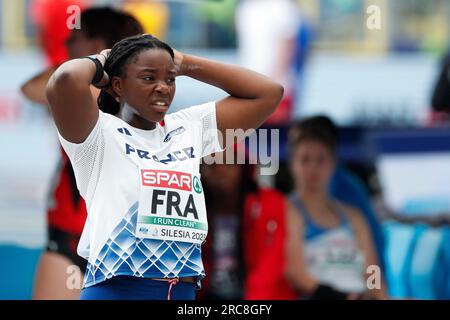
{"type": "Point", "coordinates": [145, 203]}
{"type": "Point", "coordinates": [334, 258]}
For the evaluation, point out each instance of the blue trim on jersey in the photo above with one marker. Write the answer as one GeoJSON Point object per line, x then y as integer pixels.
{"type": "Point", "coordinates": [132, 288]}
{"type": "Point", "coordinates": [124, 254]}
{"type": "Point", "coordinates": [312, 230]}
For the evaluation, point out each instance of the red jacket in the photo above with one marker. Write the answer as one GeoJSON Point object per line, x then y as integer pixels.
{"type": "Point", "coordinates": [51, 19]}
{"type": "Point", "coordinates": [264, 237]}
{"type": "Point", "coordinates": [67, 209]}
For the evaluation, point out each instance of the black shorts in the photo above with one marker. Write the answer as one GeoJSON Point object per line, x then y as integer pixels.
{"type": "Point", "coordinates": [65, 244]}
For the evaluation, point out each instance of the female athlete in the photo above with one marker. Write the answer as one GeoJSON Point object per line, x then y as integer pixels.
{"type": "Point", "coordinates": [138, 168]}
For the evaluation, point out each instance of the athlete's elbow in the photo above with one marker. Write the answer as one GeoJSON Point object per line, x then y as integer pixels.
{"type": "Point", "coordinates": [57, 82]}
{"type": "Point", "coordinates": [274, 95]}
{"type": "Point", "coordinates": [65, 75]}
{"type": "Point", "coordinates": [279, 91]}
{"type": "Point", "coordinates": [51, 87]}
{"type": "Point", "coordinates": [61, 77]}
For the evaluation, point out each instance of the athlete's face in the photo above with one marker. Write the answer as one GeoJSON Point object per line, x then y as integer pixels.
{"type": "Point", "coordinates": [148, 84]}
{"type": "Point", "coordinates": [312, 165]}
{"type": "Point", "coordinates": [80, 45]}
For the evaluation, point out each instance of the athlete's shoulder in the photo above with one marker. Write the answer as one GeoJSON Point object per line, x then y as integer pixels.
{"type": "Point", "coordinates": [109, 121]}
{"type": "Point", "coordinates": [353, 214]}
{"type": "Point", "coordinates": [193, 113]}
{"type": "Point", "coordinates": [107, 117]}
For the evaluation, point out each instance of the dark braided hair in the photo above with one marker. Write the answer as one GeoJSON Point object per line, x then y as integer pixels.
{"type": "Point", "coordinates": [120, 56]}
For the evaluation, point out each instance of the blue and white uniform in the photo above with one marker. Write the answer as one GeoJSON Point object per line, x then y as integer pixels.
{"type": "Point", "coordinates": [332, 255]}
{"type": "Point", "coordinates": [145, 203]}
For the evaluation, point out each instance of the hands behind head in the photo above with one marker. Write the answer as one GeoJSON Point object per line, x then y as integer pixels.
{"type": "Point", "coordinates": [103, 55]}
{"type": "Point", "coordinates": [104, 84]}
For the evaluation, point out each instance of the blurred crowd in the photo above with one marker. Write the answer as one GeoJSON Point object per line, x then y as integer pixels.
{"type": "Point", "coordinates": [318, 229]}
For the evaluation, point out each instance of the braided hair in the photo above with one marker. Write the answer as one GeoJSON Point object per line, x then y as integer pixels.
{"type": "Point", "coordinates": [122, 53]}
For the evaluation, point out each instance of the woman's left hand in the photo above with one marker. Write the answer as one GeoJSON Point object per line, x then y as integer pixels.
{"type": "Point", "coordinates": [103, 55]}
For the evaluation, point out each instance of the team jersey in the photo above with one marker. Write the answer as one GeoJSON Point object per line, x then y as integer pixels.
{"type": "Point", "coordinates": [332, 255]}
{"type": "Point", "coordinates": [145, 203]}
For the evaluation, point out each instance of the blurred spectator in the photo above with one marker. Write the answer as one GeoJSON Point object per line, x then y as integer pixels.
{"type": "Point", "coordinates": [50, 18]}
{"type": "Point", "coordinates": [101, 27]}
{"type": "Point", "coordinates": [268, 41]}
{"type": "Point", "coordinates": [441, 94]}
{"type": "Point", "coordinates": [218, 19]}
{"type": "Point", "coordinates": [152, 15]}
{"type": "Point", "coordinates": [348, 188]}
{"type": "Point", "coordinates": [243, 254]}
{"type": "Point", "coordinates": [329, 244]}
{"type": "Point", "coordinates": [345, 186]}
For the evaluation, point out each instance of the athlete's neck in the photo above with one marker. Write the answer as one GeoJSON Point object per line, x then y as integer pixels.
{"type": "Point", "coordinates": [130, 116]}
{"type": "Point", "coordinates": [320, 207]}
{"type": "Point", "coordinates": [314, 199]}
{"type": "Point", "coordinates": [141, 123]}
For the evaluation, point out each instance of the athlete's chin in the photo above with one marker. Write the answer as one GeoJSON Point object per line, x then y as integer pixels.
{"type": "Point", "coordinates": [154, 116]}
{"type": "Point", "coordinates": [157, 113]}
{"type": "Point", "coordinates": [159, 108]}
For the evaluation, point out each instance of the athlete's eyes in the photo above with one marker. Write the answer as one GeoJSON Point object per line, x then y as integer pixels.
{"type": "Point", "coordinates": [150, 78]}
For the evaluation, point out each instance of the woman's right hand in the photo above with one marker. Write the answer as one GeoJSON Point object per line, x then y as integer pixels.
{"type": "Point", "coordinates": [103, 55]}
{"type": "Point", "coordinates": [104, 83]}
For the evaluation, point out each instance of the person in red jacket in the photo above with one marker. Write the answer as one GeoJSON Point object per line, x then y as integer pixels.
{"type": "Point", "coordinates": [264, 238]}
{"type": "Point", "coordinates": [244, 252]}
{"type": "Point", "coordinates": [50, 18]}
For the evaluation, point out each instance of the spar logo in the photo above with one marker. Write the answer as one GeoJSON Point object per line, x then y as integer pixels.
{"type": "Point", "coordinates": [197, 185]}
{"type": "Point", "coordinates": [164, 201]}
{"type": "Point", "coordinates": [166, 179]}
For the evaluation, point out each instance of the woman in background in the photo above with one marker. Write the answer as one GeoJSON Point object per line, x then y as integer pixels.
{"type": "Point", "coordinates": [329, 245]}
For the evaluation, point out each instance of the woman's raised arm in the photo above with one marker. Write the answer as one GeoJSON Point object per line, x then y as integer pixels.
{"type": "Point", "coordinates": [252, 96]}
{"type": "Point", "coordinates": [70, 99]}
